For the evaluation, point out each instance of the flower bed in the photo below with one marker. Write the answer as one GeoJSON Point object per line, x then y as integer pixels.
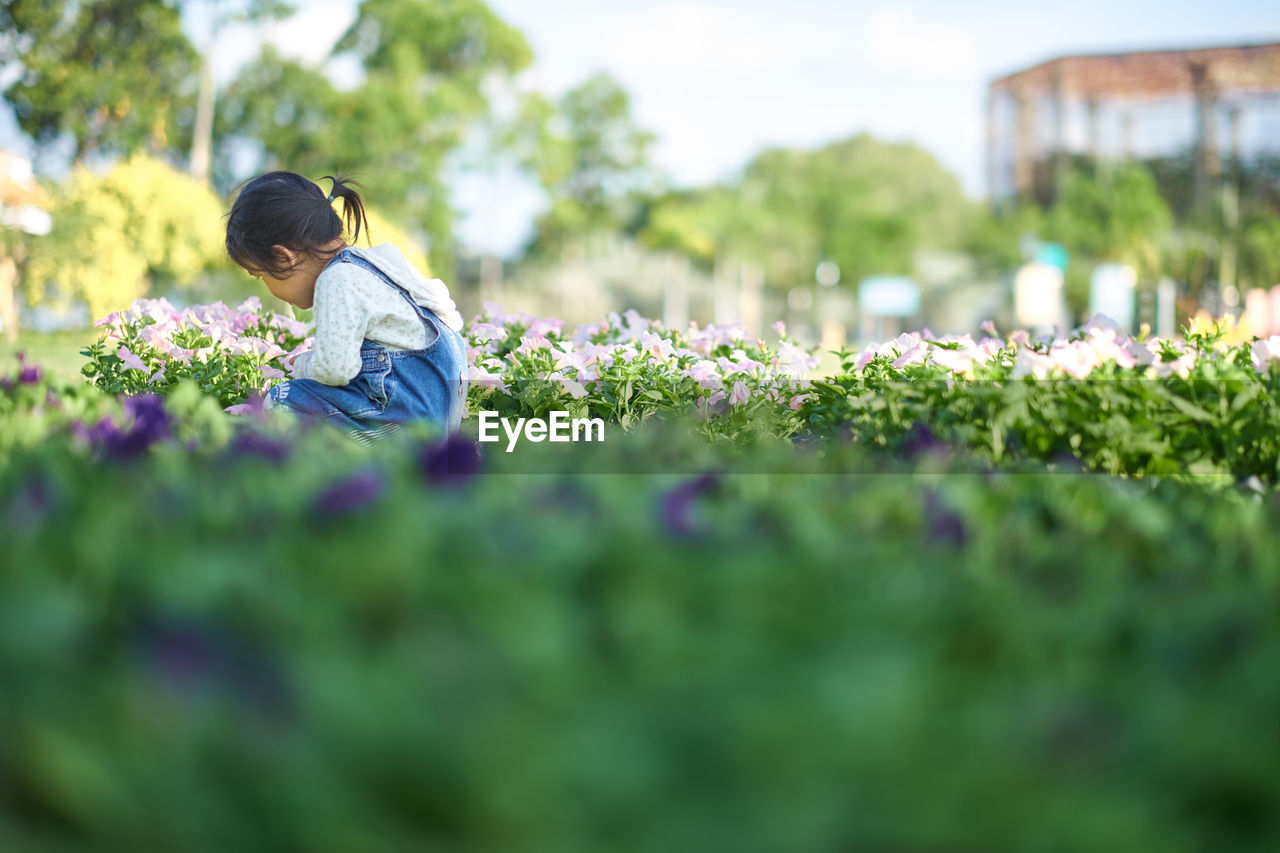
{"type": "Point", "coordinates": [1116, 404]}
{"type": "Point", "coordinates": [389, 646]}
{"type": "Point", "coordinates": [229, 353]}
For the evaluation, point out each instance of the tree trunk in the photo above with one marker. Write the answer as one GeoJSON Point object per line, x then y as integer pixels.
{"type": "Point", "coordinates": [9, 298]}
{"type": "Point", "coordinates": [202, 135]}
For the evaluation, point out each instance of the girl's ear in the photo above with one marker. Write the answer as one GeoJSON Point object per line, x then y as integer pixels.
{"type": "Point", "coordinates": [286, 255]}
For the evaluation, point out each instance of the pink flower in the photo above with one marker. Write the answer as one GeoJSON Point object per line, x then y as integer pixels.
{"type": "Point", "coordinates": [740, 394]}
{"type": "Point", "coordinates": [130, 360]}
{"type": "Point", "coordinates": [1031, 363]}
{"type": "Point", "coordinates": [1139, 353]}
{"type": "Point", "coordinates": [545, 327]}
{"type": "Point", "coordinates": [1077, 359]}
{"type": "Point", "coordinates": [530, 344]}
{"type": "Point", "coordinates": [109, 320]}
{"type": "Point", "coordinates": [797, 401]}
{"type": "Point", "coordinates": [156, 377]}
{"type": "Point", "coordinates": [1264, 352]}
{"type": "Point", "coordinates": [657, 345]}
{"type": "Point", "coordinates": [793, 361]}
{"type": "Point", "coordinates": [915, 355]}
{"type": "Point", "coordinates": [269, 372]}
{"type": "Point", "coordinates": [781, 328]}
{"type": "Point", "coordinates": [705, 373]}
{"type": "Point", "coordinates": [988, 328]}
{"type": "Point", "coordinates": [955, 360]}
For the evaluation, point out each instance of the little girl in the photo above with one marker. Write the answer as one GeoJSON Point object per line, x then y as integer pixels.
{"type": "Point", "coordinates": [387, 344]}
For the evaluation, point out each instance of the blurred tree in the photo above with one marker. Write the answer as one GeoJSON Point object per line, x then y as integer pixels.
{"type": "Point", "coordinates": [1117, 216]}
{"type": "Point", "coordinates": [220, 13]}
{"type": "Point", "coordinates": [1260, 249]}
{"type": "Point", "coordinates": [111, 74]}
{"type": "Point", "coordinates": [1112, 214]}
{"type": "Point", "coordinates": [114, 234]}
{"type": "Point", "coordinates": [877, 203]}
{"type": "Point", "coordinates": [292, 111]}
{"type": "Point", "coordinates": [589, 156]}
{"type": "Point", "coordinates": [994, 238]}
{"type": "Point", "coordinates": [427, 67]}
{"type": "Point", "coordinates": [385, 229]}
{"type": "Point", "coordinates": [863, 203]}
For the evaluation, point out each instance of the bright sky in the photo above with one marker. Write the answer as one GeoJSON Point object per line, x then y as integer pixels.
{"type": "Point", "coordinates": [717, 80]}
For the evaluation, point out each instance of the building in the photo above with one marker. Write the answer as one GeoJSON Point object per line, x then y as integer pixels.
{"type": "Point", "coordinates": [1202, 108]}
{"type": "Point", "coordinates": [23, 207]}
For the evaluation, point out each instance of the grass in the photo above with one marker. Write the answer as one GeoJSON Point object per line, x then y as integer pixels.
{"type": "Point", "coordinates": [58, 353]}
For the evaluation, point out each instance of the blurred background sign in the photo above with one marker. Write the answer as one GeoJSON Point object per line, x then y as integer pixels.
{"type": "Point", "coordinates": [1111, 293]}
{"type": "Point", "coordinates": [1053, 255]}
{"type": "Point", "coordinates": [888, 296]}
{"type": "Point", "coordinates": [1038, 297]}
{"type": "Point", "coordinates": [886, 304]}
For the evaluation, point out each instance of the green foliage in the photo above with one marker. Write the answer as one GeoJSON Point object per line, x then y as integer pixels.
{"type": "Point", "coordinates": [292, 110]}
{"type": "Point", "coordinates": [228, 354]}
{"type": "Point", "coordinates": [1115, 215]}
{"type": "Point", "coordinates": [866, 204]}
{"type": "Point", "coordinates": [425, 65]}
{"type": "Point", "coordinates": [588, 155]}
{"type": "Point", "coordinates": [1259, 248]}
{"type": "Point", "coordinates": [115, 234]}
{"type": "Point", "coordinates": [993, 237]}
{"type": "Point", "coordinates": [337, 650]}
{"type": "Point", "coordinates": [1202, 410]}
{"type": "Point", "coordinates": [111, 73]}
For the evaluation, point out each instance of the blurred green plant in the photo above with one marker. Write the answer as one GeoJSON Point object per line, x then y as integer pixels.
{"type": "Point", "coordinates": [866, 204]}
{"type": "Point", "coordinates": [110, 74]}
{"type": "Point", "coordinates": [363, 653]}
{"type": "Point", "coordinates": [117, 235]}
{"type": "Point", "coordinates": [588, 155]}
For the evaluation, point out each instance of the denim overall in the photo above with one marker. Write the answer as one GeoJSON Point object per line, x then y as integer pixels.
{"type": "Point", "coordinates": [393, 386]}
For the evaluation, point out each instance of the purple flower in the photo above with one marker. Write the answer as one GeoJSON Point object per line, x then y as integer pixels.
{"type": "Point", "coordinates": [30, 506]}
{"type": "Point", "coordinates": [677, 504]}
{"type": "Point", "coordinates": [255, 405]}
{"type": "Point", "coordinates": [945, 525]}
{"type": "Point", "coordinates": [252, 443]}
{"type": "Point", "coordinates": [350, 494]}
{"type": "Point", "coordinates": [921, 440]}
{"type": "Point", "coordinates": [191, 658]}
{"type": "Point", "coordinates": [29, 374]}
{"type": "Point", "coordinates": [454, 460]}
{"type": "Point", "coordinates": [149, 422]}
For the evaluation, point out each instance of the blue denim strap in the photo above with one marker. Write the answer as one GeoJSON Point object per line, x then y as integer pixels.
{"type": "Point", "coordinates": [424, 314]}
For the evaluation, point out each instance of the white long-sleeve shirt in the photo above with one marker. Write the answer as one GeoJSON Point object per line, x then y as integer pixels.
{"type": "Point", "coordinates": [352, 305]}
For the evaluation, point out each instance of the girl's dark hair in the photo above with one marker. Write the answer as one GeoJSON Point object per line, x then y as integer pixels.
{"type": "Point", "coordinates": [286, 209]}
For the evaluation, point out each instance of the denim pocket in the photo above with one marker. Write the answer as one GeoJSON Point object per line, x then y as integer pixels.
{"type": "Point", "coordinates": [372, 384]}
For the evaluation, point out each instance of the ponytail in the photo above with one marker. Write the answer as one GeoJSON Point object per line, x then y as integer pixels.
{"type": "Point", "coordinates": [352, 206]}
{"type": "Point", "coordinates": [286, 209]}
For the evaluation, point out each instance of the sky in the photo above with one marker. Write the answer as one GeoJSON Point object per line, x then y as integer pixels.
{"type": "Point", "coordinates": [718, 80]}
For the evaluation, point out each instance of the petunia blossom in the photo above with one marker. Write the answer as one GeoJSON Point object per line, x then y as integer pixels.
{"type": "Point", "coordinates": [131, 361]}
